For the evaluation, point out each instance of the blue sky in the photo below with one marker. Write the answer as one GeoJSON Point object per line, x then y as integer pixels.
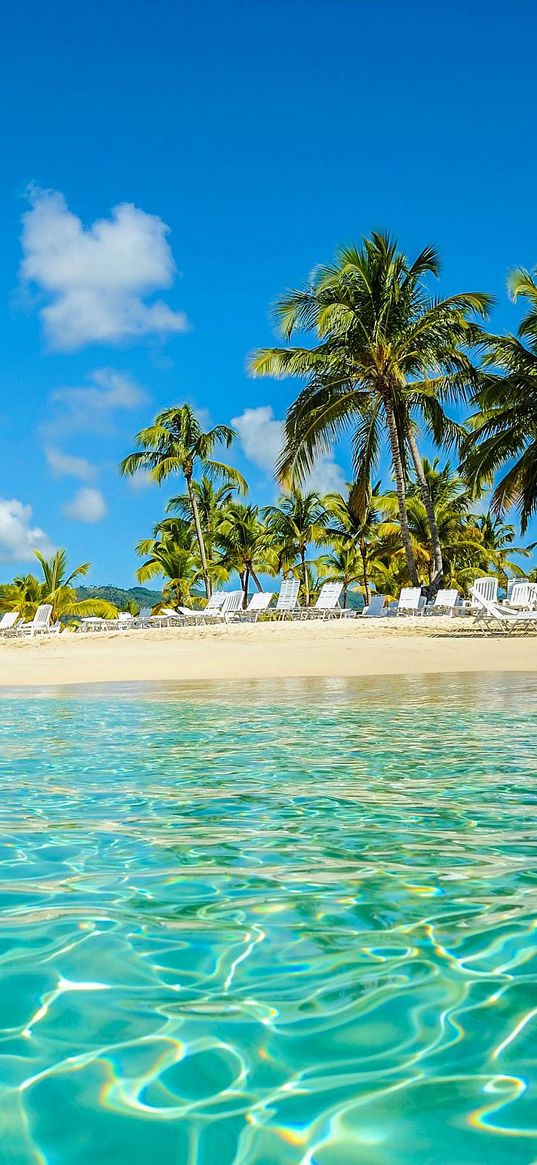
{"type": "Point", "coordinates": [243, 141]}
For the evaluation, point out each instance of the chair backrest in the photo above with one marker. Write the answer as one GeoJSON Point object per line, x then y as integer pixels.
{"type": "Point", "coordinates": [328, 596]}
{"type": "Point", "coordinates": [409, 599]}
{"type": "Point", "coordinates": [260, 601]}
{"type": "Point", "coordinates": [124, 616]}
{"type": "Point", "coordinates": [42, 615]}
{"type": "Point", "coordinates": [144, 613]}
{"type": "Point", "coordinates": [514, 582]}
{"type": "Point", "coordinates": [523, 595]}
{"type": "Point", "coordinates": [232, 602]}
{"type": "Point", "coordinates": [446, 598]}
{"type": "Point", "coordinates": [168, 613]}
{"type": "Point", "coordinates": [215, 601]}
{"type": "Point", "coordinates": [288, 595]}
{"type": "Point", "coordinates": [485, 588]}
{"type": "Point", "coordinates": [486, 604]}
{"type": "Point", "coordinates": [9, 618]}
{"type": "Point", "coordinates": [376, 607]}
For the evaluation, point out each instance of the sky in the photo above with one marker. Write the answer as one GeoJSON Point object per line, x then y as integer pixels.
{"type": "Point", "coordinates": [170, 168]}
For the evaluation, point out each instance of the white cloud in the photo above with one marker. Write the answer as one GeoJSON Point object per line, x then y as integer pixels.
{"type": "Point", "coordinates": [88, 505]}
{"type": "Point", "coordinates": [66, 465]}
{"type": "Point", "coordinates": [18, 538]}
{"type": "Point", "coordinates": [92, 408]}
{"type": "Point", "coordinates": [140, 481]}
{"type": "Point", "coordinates": [261, 437]}
{"type": "Point", "coordinates": [97, 278]}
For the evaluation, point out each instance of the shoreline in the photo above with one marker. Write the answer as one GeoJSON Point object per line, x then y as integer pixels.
{"type": "Point", "coordinates": [284, 650]}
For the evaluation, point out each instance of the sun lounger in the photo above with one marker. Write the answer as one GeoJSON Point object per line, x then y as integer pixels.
{"type": "Point", "coordinates": [327, 604]}
{"type": "Point", "coordinates": [258, 603]}
{"type": "Point", "coordinates": [411, 602]}
{"type": "Point", "coordinates": [375, 609]}
{"type": "Point", "coordinates": [40, 624]}
{"type": "Point", "coordinates": [288, 597]}
{"type": "Point", "coordinates": [8, 621]}
{"type": "Point", "coordinates": [522, 597]}
{"type": "Point", "coordinates": [446, 602]}
{"type": "Point", "coordinates": [491, 616]}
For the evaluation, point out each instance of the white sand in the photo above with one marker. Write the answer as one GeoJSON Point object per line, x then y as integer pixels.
{"type": "Point", "coordinates": [255, 651]}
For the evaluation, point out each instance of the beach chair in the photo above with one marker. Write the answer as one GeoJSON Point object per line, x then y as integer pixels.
{"type": "Point", "coordinates": [375, 608]}
{"type": "Point", "coordinates": [221, 611]}
{"type": "Point", "coordinates": [8, 621]}
{"type": "Point", "coordinates": [514, 582]}
{"type": "Point", "coordinates": [484, 588]}
{"type": "Point", "coordinates": [214, 603]}
{"type": "Point", "coordinates": [493, 617]}
{"type": "Point", "coordinates": [444, 602]}
{"type": "Point", "coordinates": [327, 605]}
{"type": "Point", "coordinates": [258, 603]}
{"type": "Point", "coordinates": [40, 624]}
{"type": "Point", "coordinates": [523, 596]}
{"type": "Point", "coordinates": [288, 597]}
{"type": "Point", "coordinates": [166, 617]}
{"type": "Point", "coordinates": [411, 602]}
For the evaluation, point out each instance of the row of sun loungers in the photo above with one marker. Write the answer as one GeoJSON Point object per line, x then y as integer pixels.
{"type": "Point", "coordinates": [515, 612]}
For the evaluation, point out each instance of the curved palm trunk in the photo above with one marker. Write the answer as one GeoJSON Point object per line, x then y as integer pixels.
{"type": "Point", "coordinates": [255, 578]}
{"type": "Point", "coordinates": [305, 578]}
{"type": "Point", "coordinates": [245, 585]}
{"type": "Point", "coordinates": [367, 588]}
{"type": "Point", "coordinates": [399, 475]}
{"type": "Point", "coordinates": [436, 548]}
{"type": "Point", "coordinates": [199, 535]}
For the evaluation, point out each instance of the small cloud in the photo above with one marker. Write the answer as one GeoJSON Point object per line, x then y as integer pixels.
{"type": "Point", "coordinates": [97, 279]}
{"type": "Point", "coordinates": [92, 408]}
{"type": "Point", "coordinates": [140, 481]}
{"type": "Point", "coordinates": [261, 436]}
{"type": "Point", "coordinates": [88, 505]}
{"type": "Point", "coordinates": [18, 538]}
{"type": "Point", "coordinates": [65, 465]}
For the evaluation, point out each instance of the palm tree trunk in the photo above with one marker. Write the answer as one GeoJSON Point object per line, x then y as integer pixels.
{"type": "Point", "coordinates": [199, 535]}
{"type": "Point", "coordinates": [245, 585]}
{"type": "Point", "coordinates": [305, 578]}
{"type": "Point", "coordinates": [399, 475]}
{"type": "Point", "coordinates": [367, 588]}
{"type": "Point", "coordinates": [255, 578]}
{"type": "Point", "coordinates": [436, 548]}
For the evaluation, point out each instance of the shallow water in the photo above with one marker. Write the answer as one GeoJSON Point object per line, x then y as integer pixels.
{"type": "Point", "coordinates": [284, 924]}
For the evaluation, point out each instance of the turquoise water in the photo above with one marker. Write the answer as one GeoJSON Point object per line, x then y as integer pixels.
{"type": "Point", "coordinates": [277, 925]}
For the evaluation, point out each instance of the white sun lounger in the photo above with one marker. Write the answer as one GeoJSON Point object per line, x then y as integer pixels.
{"type": "Point", "coordinates": [411, 602]}
{"type": "Point", "coordinates": [490, 615]}
{"type": "Point", "coordinates": [40, 624]}
{"type": "Point", "coordinates": [523, 597]}
{"type": "Point", "coordinates": [484, 588]}
{"type": "Point", "coordinates": [514, 582]}
{"type": "Point", "coordinates": [445, 601]}
{"type": "Point", "coordinates": [8, 621]}
{"type": "Point", "coordinates": [258, 603]}
{"type": "Point", "coordinates": [288, 597]}
{"type": "Point", "coordinates": [375, 608]}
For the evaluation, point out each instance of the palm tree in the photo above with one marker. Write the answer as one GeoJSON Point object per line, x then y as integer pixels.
{"type": "Point", "coordinates": [245, 545]}
{"type": "Point", "coordinates": [26, 593]}
{"type": "Point", "coordinates": [504, 428]}
{"type": "Point", "coordinates": [498, 538]}
{"type": "Point", "coordinates": [173, 558]}
{"type": "Point", "coordinates": [176, 443]}
{"type": "Point", "coordinates": [345, 564]}
{"type": "Point", "coordinates": [294, 523]}
{"type": "Point", "coordinates": [211, 501]}
{"type": "Point", "coordinates": [387, 353]}
{"type": "Point", "coordinates": [352, 521]}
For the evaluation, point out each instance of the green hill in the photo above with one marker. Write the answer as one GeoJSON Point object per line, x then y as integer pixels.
{"type": "Point", "coordinates": [142, 596]}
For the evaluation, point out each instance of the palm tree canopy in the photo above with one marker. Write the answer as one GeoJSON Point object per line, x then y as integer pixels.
{"type": "Point", "coordinates": [380, 333]}
{"type": "Point", "coordinates": [175, 442]}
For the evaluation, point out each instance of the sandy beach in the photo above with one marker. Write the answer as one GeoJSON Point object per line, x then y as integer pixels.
{"type": "Point", "coordinates": [271, 650]}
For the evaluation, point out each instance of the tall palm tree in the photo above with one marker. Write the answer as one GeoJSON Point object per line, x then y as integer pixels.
{"type": "Point", "coordinates": [504, 427]}
{"type": "Point", "coordinates": [211, 501]}
{"type": "Point", "coordinates": [245, 545]}
{"type": "Point", "coordinates": [387, 353]}
{"type": "Point", "coordinates": [176, 443]}
{"type": "Point", "coordinates": [294, 523]}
